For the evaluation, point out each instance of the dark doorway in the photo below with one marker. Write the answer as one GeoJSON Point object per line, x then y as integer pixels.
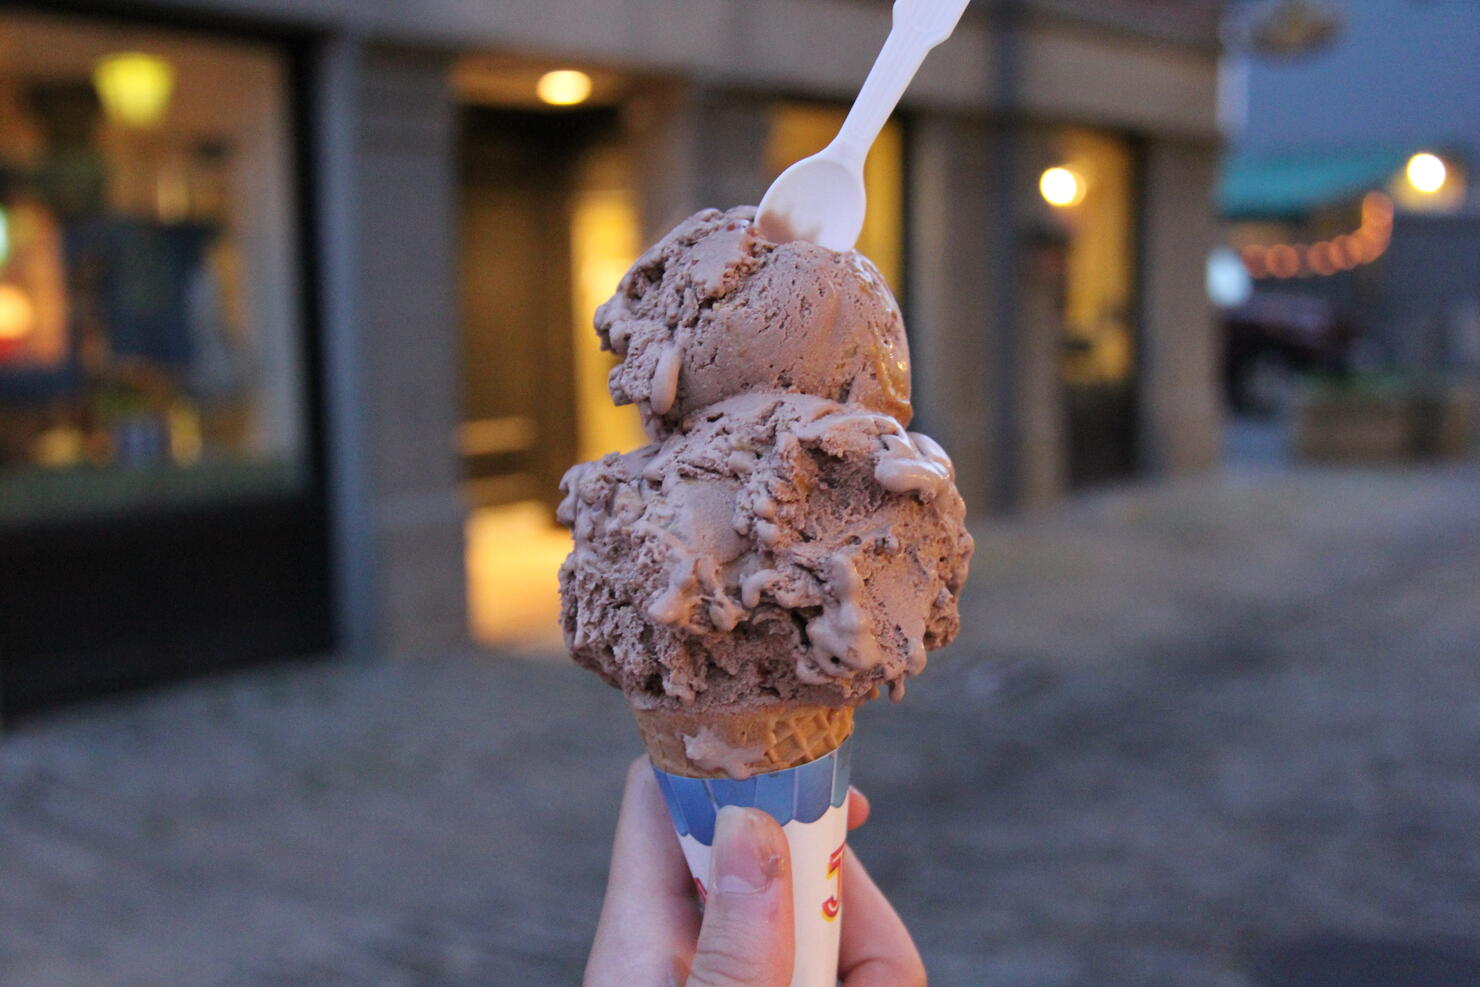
{"type": "Point", "coordinates": [519, 405]}
{"type": "Point", "coordinates": [1102, 438]}
{"type": "Point", "coordinates": [1088, 185]}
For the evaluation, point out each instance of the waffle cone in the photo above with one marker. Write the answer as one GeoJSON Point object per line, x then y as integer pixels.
{"type": "Point", "coordinates": [769, 738]}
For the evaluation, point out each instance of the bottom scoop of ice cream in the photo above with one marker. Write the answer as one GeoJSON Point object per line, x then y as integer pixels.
{"type": "Point", "coordinates": [776, 548]}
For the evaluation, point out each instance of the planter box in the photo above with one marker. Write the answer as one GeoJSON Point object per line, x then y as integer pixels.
{"type": "Point", "coordinates": [1353, 428]}
{"type": "Point", "coordinates": [1333, 426]}
{"type": "Point", "coordinates": [1445, 423]}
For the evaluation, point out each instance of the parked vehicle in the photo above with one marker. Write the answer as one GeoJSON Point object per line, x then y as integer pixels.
{"type": "Point", "coordinates": [1273, 338]}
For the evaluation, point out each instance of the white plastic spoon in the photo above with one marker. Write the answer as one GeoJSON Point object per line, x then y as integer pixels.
{"type": "Point", "coordinates": [821, 198]}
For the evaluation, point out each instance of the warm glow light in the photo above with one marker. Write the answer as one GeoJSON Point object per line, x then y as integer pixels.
{"type": "Point", "coordinates": [1377, 211]}
{"type": "Point", "coordinates": [17, 314]}
{"type": "Point", "coordinates": [1061, 187]}
{"type": "Point", "coordinates": [1325, 257]}
{"type": "Point", "coordinates": [563, 87]}
{"type": "Point", "coordinates": [1426, 172]}
{"type": "Point", "coordinates": [1321, 258]}
{"type": "Point", "coordinates": [135, 88]}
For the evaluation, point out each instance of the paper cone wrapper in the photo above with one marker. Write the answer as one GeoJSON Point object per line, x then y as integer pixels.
{"type": "Point", "coordinates": [808, 798]}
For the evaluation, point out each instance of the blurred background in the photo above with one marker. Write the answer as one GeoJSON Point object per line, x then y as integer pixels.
{"type": "Point", "coordinates": [295, 345]}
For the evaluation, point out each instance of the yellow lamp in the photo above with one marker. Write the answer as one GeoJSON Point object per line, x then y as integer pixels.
{"type": "Point", "coordinates": [1426, 172]}
{"type": "Point", "coordinates": [135, 87]}
{"type": "Point", "coordinates": [17, 314]}
{"type": "Point", "coordinates": [563, 87]}
{"type": "Point", "coordinates": [1061, 187]}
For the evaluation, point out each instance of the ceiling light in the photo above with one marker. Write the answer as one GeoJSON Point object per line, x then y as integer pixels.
{"type": "Point", "coordinates": [563, 87]}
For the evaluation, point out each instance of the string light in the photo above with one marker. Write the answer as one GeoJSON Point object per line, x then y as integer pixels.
{"type": "Point", "coordinates": [1363, 245]}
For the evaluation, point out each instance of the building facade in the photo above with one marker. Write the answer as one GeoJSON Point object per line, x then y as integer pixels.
{"type": "Point", "coordinates": [287, 317]}
{"type": "Point", "coordinates": [1350, 176]}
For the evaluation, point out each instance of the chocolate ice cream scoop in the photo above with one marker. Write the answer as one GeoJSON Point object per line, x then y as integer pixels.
{"type": "Point", "coordinates": [784, 541]}
{"type": "Point", "coordinates": [714, 309]}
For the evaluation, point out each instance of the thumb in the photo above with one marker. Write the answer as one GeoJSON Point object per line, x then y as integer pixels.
{"type": "Point", "coordinates": [747, 934]}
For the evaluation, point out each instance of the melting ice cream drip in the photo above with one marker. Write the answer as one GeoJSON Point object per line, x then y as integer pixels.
{"type": "Point", "coordinates": [914, 463]}
{"type": "Point", "coordinates": [709, 750]}
{"type": "Point", "coordinates": [664, 388]}
{"type": "Point", "coordinates": [841, 638]}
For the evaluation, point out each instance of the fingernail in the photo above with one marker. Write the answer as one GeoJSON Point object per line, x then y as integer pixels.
{"type": "Point", "coordinates": [746, 858]}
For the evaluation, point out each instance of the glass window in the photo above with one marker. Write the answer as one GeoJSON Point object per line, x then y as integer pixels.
{"type": "Point", "coordinates": [150, 346]}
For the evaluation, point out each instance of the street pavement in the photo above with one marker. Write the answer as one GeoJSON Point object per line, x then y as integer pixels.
{"type": "Point", "coordinates": [1221, 732]}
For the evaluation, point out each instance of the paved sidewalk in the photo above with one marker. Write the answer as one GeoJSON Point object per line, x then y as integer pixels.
{"type": "Point", "coordinates": [1213, 733]}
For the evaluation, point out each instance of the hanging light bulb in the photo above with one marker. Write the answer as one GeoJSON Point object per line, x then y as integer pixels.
{"type": "Point", "coordinates": [1061, 187]}
{"type": "Point", "coordinates": [135, 88]}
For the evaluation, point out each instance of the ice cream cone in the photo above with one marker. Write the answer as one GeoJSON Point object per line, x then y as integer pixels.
{"type": "Point", "coordinates": [742, 742]}
{"type": "Point", "coordinates": [807, 795]}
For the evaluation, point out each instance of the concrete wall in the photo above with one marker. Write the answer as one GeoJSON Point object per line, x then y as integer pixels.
{"type": "Point", "coordinates": [390, 339]}
{"type": "Point", "coordinates": [1127, 63]}
{"type": "Point", "coordinates": [1181, 414]}
{"type": "Point", "coordinates": [949, 317]}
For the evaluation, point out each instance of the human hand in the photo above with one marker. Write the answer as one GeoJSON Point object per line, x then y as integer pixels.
{"type": "Point", "coordinates": [651, 933]}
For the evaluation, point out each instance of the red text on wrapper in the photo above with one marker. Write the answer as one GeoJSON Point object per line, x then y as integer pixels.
{"type": "Point", "coordinates": [703, 894]}
{"type": "Point", "coordinates": [834, 904]}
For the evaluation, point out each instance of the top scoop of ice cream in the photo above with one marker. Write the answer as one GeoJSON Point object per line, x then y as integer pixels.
{"type": "Point", "coordinates": [784, 539]}
{"type": "Point", "coordinates": [714, 309]}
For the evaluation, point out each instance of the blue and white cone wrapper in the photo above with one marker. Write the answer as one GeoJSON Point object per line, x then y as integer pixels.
{"type": "Point", "coordinates": [811, 804]}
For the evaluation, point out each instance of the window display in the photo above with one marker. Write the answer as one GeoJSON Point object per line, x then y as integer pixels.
{"type": "Point", "coordinates": [150, 340]}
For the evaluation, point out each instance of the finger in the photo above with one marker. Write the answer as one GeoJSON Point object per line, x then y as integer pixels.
{"type": "Point", "coordinates": [858, 808]}
{"type": "Point", "coordinates": [648, 920]}
{"type": "Point", "coordinates": [747, 936]}
{"type": "Point", "coordinates": [876, 950]}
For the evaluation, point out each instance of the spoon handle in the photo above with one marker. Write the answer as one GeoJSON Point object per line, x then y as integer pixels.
{"type": "Point", "coordinates": [934, 19]}
{"type": "Point", "coordinates": [917, 27]}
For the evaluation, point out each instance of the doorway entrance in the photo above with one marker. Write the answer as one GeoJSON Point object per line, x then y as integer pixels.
{"type": "Point", "coordinates": [548, 225]}
{"type": "Point", "coordinates": [1086, 259]}
{"type": "Point", "coordinates": [518, 430]}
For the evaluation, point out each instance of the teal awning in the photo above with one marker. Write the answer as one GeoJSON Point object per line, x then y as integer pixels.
{"type": "Point", "coordinates": [1270, 187]}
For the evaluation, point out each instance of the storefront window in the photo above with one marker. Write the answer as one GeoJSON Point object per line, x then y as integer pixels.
{"type": "Point", "coordinates": [150, 346]}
